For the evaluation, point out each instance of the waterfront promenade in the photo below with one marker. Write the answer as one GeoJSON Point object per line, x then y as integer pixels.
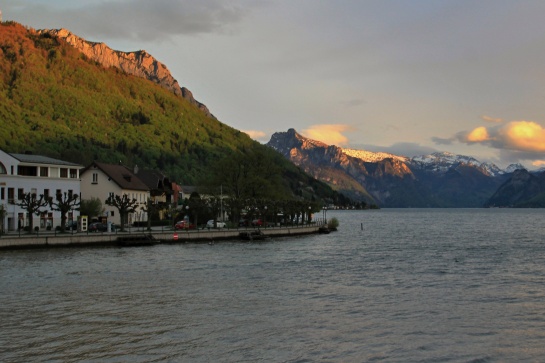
{"type": "Point", "coordinates": [157, 235]}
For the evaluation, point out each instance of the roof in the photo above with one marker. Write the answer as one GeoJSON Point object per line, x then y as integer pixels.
{"type": "Point", "coordinates": [154, 179]}
{"type": "Point", "coordinates": [40, 159]}
{"type": "Point", "coordinates": [121, 175]}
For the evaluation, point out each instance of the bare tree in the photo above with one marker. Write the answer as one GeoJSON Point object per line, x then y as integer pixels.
{"type": "Point", "coordinates": [124, 205]}
{"type": "Point", "coordinates": [2, 216]}
{"type": "Point", "coordinates": [149, 208]}
{"type": "Point", "coordinates": [64, 203]}
{"type": "Point", "coordinates": [33, 205]}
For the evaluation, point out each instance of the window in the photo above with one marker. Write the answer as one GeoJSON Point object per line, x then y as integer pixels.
{"type": "Point", "coordinates": [70, 192]}
{"type": "Point", "coordinates": [2, 193]}
{"type": "Point", "coordinates": [58, 192]}
{"type": "Point", "coordinates": [20, 193]}
{"type": "Point", "coordinates": [27, 170]}
{"type": "Point", "coordinates": [11, 195]}
{"type": "Point", "coordinates": [64, 173]}
{"type": "Point", "coordinates": [46, 193]}
{"type": "Point", "coordinates": [3, 169]}
{"type": "Point", "coordinates": [44, 171]}
{"type": "Point", "coordinates": [73, 173]}
{"type": "Point", "coordinates": [95, 178]}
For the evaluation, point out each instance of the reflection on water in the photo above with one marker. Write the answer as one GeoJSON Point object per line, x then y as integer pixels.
{"type": "Point", "coordinates": [391, 285]}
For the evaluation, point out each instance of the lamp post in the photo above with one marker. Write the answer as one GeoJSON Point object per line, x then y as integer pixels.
{"type": "Point", "coordinates": [325, 214]}
{"type": "Point", "coordinates": [265, 216]}
{"type": "Point", "coordinates": [221, 203]}
{"type": "Point", "coordinates": [187, 211]}
{"type": "Point", "coordinates": [308, 215]}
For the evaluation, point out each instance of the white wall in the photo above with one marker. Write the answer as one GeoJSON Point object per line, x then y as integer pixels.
{"type": "Point", "coordinates": [31, 184]}
{"type": "Point", "coordinates": [102, 188]}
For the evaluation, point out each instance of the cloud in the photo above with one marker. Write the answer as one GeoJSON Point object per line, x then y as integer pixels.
{"type": "Point", "coordinates": [524, 158]}
{"type": "Point", "coordinates": [522, 136]}
{"type": "Point", "coordinates": [491, 119]}
{"type": "Point", "coordinates": [138, 20]}
{"type": "Point", "coordinates": [354, 102]}
{"type": "Point", "coordinates": [538, 163]}
{"type": "Point", "coordinates": [479, 134]}
{"type": "Point", "coordinates": [442, 141]}
{"type": "Point", "coordinates": [329, 134]}
{"type": "Point", "coordinates": [256, 135]}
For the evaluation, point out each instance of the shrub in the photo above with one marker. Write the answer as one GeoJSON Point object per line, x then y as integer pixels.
{"type": "Point", "coordinates": [333, 223]}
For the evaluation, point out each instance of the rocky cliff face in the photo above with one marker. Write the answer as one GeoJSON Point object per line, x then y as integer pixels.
{"type": "Point", "coordinates": [350, 175]}
{"type": "Point", "coordinates": [139, 63]}
{"type": "Point", "coordinates": [437, 180]}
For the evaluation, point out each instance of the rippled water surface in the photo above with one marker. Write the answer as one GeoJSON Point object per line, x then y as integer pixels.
{"type": "Point", "coordinates": [391, 285]}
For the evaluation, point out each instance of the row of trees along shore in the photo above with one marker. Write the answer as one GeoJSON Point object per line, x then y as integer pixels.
{"type": "Point", "coordinates": [244, 185]}
{"type": "Point", "coordinates": [197, 208]}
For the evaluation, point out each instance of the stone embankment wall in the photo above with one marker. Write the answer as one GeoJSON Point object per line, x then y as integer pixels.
{"type": "Point", "coordinates": [83, 239]}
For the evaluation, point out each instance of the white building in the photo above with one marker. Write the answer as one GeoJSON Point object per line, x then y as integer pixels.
{"type": "Point", "coordinates": [100, 180]}
{"type": "Point", "coordinates": [24, 173]}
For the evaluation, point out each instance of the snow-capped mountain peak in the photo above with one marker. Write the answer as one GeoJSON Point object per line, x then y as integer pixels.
{"type": "Point", "coordinates": [372, 157]}
{"type": "Point", "coordinates": [443, 161]}
{"type": "Point", "coordinates": [511, 168]}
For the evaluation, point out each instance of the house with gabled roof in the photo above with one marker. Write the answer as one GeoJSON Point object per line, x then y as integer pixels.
{"type": "Point", "coordinates": [161, 193]}
{"type": "Point", "coordinates": [158, 183]}
{"type": "Point", "coordinates": [100, 180]}
{"type": "Point", "coordinates": [28, 173]}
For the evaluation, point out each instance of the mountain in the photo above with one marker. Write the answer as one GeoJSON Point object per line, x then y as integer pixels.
{"type": "Point", "coordinates": [522, 189]}
{"type": "Point", "coordinates": [82, 101]}
{"type": "Point", "coordinates": [139, 63]}
{"type": "Point", "coordinates": [442, 162]}
{"type": "Point", "coordinates": [435, 180]}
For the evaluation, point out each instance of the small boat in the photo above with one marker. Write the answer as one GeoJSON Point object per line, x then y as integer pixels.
{"type": "Point", "coordinates": [324, 230]}
{"type": "Point", "coordinates": [252, 235]}
{"type": "Point", "coordinates": [136, 240]}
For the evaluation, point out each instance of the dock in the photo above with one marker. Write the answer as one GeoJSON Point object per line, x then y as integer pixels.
{"type": "Point", "coordinates": [141, 238]}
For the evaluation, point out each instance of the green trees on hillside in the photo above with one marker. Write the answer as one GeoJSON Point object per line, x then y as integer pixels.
{"type": "Point", "coordinates": [252, 186]}
{"type": "Point", "coordinates": [56, 102]}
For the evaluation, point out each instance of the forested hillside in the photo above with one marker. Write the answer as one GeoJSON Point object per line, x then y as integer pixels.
{"type": "Point", "coordinates": [55, 101]}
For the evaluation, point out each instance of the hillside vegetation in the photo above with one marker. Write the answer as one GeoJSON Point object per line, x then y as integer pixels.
{"type": "Point", "coordinates": [56, 102]}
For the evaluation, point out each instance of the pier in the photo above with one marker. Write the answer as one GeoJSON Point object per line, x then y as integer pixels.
{"type": "Point", "coordinates": [140, 237]}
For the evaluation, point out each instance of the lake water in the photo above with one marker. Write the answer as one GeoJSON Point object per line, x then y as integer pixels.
{"type": "Point", "coordinates": [412, 285]}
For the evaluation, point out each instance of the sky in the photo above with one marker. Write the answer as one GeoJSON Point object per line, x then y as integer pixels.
{"type": "Point", "coordinates": [409, 77]}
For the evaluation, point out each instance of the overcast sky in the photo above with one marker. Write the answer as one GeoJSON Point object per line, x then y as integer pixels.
{"type": "Point", "coordinates": [405, 76]}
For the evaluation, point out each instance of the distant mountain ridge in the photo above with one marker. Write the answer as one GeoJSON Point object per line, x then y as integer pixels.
{"type": "Point", "coordinates": [439, 179]}
{"type": "Point", "coordinates": [522, 190]}
{"type": "Point", "coordinates": [139, 63]}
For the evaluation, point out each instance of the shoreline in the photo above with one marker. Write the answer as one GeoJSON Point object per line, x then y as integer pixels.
{"type": "Point", "coordinates": [142, 238]}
